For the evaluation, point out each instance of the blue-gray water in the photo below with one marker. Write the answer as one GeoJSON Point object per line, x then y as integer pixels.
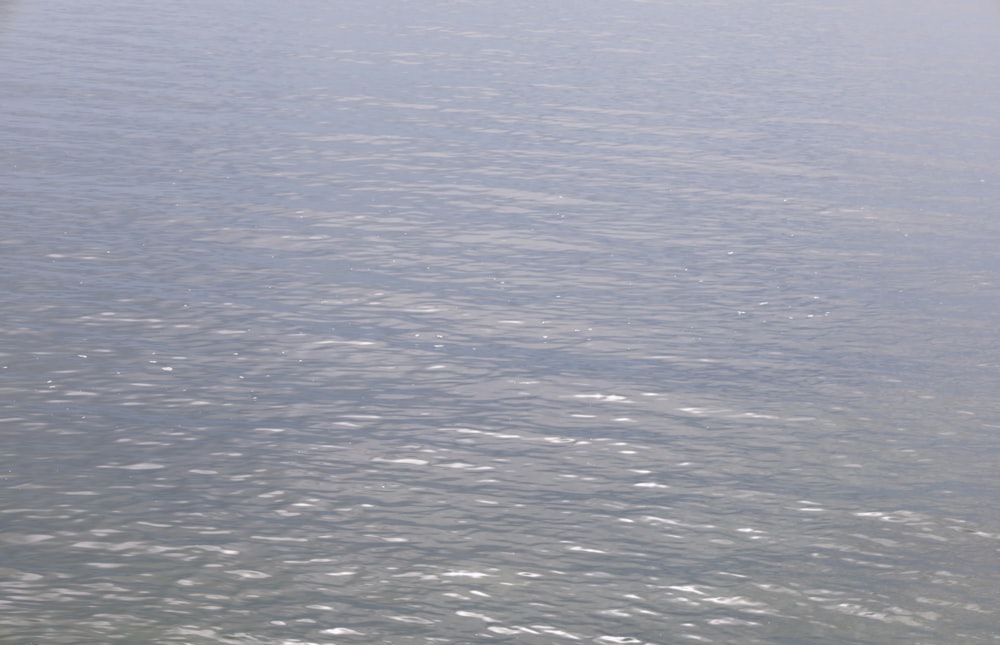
{"type": "Point", "coordinates": [403, 322]}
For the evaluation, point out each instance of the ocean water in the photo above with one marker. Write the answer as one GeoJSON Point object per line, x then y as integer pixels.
{"type": "Point", "coordinates": [630, 322]}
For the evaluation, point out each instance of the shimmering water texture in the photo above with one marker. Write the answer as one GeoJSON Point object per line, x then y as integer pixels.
{"type": "Point", "coordinates": [440, 322]}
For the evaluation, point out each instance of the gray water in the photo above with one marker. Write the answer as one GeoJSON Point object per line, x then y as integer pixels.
{"type": "Point", "coordinates": [465, 322]}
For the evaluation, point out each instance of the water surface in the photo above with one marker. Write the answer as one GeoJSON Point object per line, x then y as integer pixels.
{"type": "Point", "coordinates": [612, 322]}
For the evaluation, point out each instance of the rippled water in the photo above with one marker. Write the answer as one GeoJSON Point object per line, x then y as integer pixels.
{"type": "Point", "coordinates": [461, 322]}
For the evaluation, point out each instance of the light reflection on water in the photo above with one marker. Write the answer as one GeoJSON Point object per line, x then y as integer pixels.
{"type": "Point", "coordinates": [470, 323]}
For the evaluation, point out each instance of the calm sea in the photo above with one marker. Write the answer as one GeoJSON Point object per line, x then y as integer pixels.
{"type": "Point", "coordinates": [604, 321]}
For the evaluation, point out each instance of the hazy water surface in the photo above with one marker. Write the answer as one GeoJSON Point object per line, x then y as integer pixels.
{"type": "Point", "coordinates": [466, 322]}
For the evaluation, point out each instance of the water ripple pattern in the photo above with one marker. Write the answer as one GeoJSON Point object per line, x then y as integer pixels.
{"type": "Point", "coordinates": [446, 322]}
